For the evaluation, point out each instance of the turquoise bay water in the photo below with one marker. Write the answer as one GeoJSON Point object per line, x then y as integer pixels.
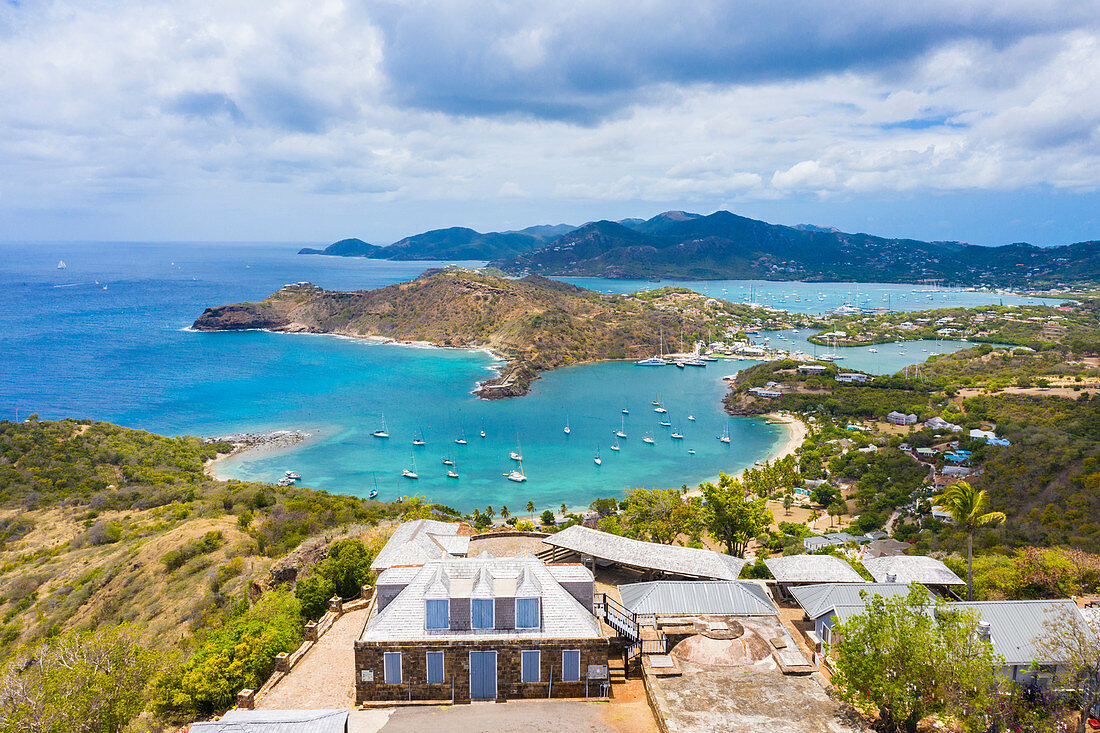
{"type": "Point", "coordinates": [106, 338]}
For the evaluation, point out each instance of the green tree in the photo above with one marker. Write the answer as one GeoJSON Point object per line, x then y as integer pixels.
{"type": "Point", "coordinates": [238, 655]}
{"type": "Point", "coordinates": [78, 682]}
{"type": "Point", "coordinates": [1075, 639]}
{"type": "Point", "coordinates": [837, 509]}
{"type": "Point", "coordinates": [825, 495]}
{"type": "Point", "coordinates": [504, 513]}
{"type": "Point", "coordinates": [548, 518]}
{"type": "Point", "coordinates": [730, 516]}
{"type": "Point", "coordinates": [967, 506]}
{"type": "Point", "coordinates": [314, 592]}
{"type": "Point", "coordinates": [788, 502]}
{"type": "Point", "coordinates": [661, 515]}
{"type": "Point", "coordinates": [531, 507]}
{"type": "Point", "coordinates": [907, 658]}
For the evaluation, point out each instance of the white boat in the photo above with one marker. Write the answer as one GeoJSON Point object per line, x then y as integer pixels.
{"type": "Point", "coordinates": [691, 451]}
{"type": "Point", "coordinates": [652, 361]}
{"type": "Point", "coordinates": [516, 474]}
{"type": "Point", "coordinates": [419, 440]}
{"type": "Point", "coordinates": [665, 423]}
{"type": "Point", "coordinates": [381, 432]}
{"type": "Point", "coordinates": [452, 473]}
{"type": "Point", "coordinates": [676, 436]}
{"type": "Point", "coordinates": [448, 462]}
{"type": "Point", "coordinates": [656, 402]}
{"type": "Point", "coordinates": [660, 410]}
{"type": "Point", "coordinates": [622, 429]}
{"type": "Point", "coordinates": [61, 265]}
{"type": "Point", "coordinates": [626, 411]}
{"type": "Point", "coordinates": [597, 460]}
{"type": "Point", "coordinates": [615, 446]}
{"type": "Point", "coordinates": [691, 417]}
{"type": "Point", "coordinates": [284, 481]}
{"type": "Point", "coordinates": [648, 439]}
{"type": "Point", "coordinates": [483, 433]}
{"type": "Point", "coordinates": [293, 476]}
{"type": "Point", "coordinates": [725, 436]}
{"type": "Point", "coordinates": [566, 429]}
{"type": "Point", "coordinates": [460, 441]}
{"type": "Point", "coordinates": [872, 351]}
{"type": "Point", "coordinates": [411, 472]}
{"type": "Point", "coordinates": [515, 456]}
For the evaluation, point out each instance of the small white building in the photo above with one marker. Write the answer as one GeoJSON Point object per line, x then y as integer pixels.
{"type": "Point", "coordinates": [851, 377]}
{"type": "Point", "coordinates": [900, 418]}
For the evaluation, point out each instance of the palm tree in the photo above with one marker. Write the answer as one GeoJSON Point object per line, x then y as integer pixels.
{"type": "Point", "coordinates": [504, 513]}
{"type": "Point", "coordinates": [531, 507]}
{"type": "Point", "coordinates": [967, 506]}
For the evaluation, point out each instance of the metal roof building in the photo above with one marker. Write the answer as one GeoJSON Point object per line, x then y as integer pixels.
{"type": "Point", "coordinates": [421, 540]}
{"type": "Point", "coordinates": [802, 569]}
{"type": "Point", "coordinates": [276, 721]}
{"type": "Point", "coordinates": [1016, 628]}
{"type": "Point", "coordinates": [671, 559]}
{"type": "Point", "coordinates": [911, 569]}
{"type": "Point", "coordinates": [679, 598]}
{"type": "Point", "coordinates": [825, 598]}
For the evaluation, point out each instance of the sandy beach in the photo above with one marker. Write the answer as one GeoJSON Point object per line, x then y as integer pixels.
{"type": "Point", "coordinates": [259, 443]}
{"type": "Point", "coordinates": [797, 433]}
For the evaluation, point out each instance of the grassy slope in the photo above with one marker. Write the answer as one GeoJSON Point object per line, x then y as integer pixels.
{"type": "Point", "coordinates": [88, 512]}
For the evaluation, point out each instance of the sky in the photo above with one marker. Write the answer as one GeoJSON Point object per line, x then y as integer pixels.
{"type": "Point", "coordinates": [279, 120]}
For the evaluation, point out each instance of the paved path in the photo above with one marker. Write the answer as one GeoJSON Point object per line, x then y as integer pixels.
{"type": "Point", "coordinates": [325, 676]}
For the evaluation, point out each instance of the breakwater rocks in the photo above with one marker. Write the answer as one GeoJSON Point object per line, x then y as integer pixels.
{"type": "Point", "coordinates": [274, 439]}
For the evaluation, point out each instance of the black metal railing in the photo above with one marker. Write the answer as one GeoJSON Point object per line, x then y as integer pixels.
{"type": "Point", "coordinates": [617, 616]}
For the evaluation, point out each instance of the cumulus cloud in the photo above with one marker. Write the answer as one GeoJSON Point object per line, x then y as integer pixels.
{"type": "Point", "coordinates": [104, 106]}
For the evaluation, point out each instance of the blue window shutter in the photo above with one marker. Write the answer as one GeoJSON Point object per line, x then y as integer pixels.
{"type": "Point", "coordinates": [435, 668]}
{"type": "Point", "coordinates": [530, 661]}
{"type": "Point", "coordinates": [527, 613]}
{"type": "Point", "coordinates": [392, 663]}
{"type": "Point", "coordinates": [571, 665]}
{"type": "Point", "coordinates": [437, 614]}
{"type": "Point", "coordinates": [482, 613]}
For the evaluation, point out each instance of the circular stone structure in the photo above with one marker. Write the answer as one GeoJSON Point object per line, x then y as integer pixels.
{"type": "Point", "coordinates": [732, 646]}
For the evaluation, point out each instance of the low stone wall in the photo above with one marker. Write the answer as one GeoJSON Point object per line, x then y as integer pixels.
{"type": "Point", "coordinates": [314, 630]}
{"type": "Point", "coordinates": [456, 665]}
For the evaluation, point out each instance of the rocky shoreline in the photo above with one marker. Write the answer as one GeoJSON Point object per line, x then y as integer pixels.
{"type": "Point", "coordinates": [254, 442]}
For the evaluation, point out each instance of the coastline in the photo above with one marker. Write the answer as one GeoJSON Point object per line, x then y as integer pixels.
{"type": "Point", "coordinates": [254, 444]}
{"type": "Point", "coordinates": [796, 434]}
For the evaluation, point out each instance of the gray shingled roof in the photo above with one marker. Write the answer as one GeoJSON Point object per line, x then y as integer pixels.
{"type": "Point", "coordinates": [562, 616]}
{"type": "Point", "coordinates": [812, 569]}
{"type": "Point", "coordinates": [911, 569]}
{"type": "Point", "coordinates": [648, 555]}
{"type": "Point", "coordinates": [1016, 627]}
{"type": "Point", "coordinates": [679, 597]}
{"type": "Point", "coordinates": [276, 721]}
{"type": "Point", "coordinates": [820, 599]}
{"type": "Point", "coordinates": [416, 542]}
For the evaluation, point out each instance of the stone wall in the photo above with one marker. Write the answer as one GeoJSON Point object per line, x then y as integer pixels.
{"type": "Point", "coordinates": [456, 663]}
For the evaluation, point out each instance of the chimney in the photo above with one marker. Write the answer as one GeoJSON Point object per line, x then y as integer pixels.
{"type": "Point", "coordinates": [983, 630]}
{"type": "Point", "coordinates": [891, 577]}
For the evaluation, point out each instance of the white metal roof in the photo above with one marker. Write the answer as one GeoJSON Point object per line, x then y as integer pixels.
{"type": "Point", "coordinates": [812, 569]}
{"type": "Point", "coordinates": [562, 616]}
{"type": "Point", "coordinates": [1016, 628]}
{"type": "Point", "coordinates": [821, 599]}
{"type": "Point", "coordinates": [420, 540]}
{"type": "Point", "coordinates": [276, 721]}
{"type": "Point", "coordinates": [911, 569]}
{"type": "Point", "coordinates": [672, 559]}
{"type": "Point", "coordinates": [679, 597]}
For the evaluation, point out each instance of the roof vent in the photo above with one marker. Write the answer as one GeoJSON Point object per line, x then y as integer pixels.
{"type": "Point", "coordinates": [983, 630]}
{"type": "Point", "coordinates": [891, 577]}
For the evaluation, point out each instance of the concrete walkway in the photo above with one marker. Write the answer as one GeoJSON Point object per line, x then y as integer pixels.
{"type": "Point", "coordinates": [325, 678]}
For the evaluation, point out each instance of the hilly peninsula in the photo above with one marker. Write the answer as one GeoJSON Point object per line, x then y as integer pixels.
{"type": "Point", "coordinates": [724, 245]}
{"type": "Point", "coordinates": [534, 324]}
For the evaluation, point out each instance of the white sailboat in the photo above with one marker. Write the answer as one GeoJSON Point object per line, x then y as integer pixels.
{"type": "Point", "coordinates": [381, 432]}
{"type": "Point", "coordinates": [419, 439]}
{"type": "Point", "coordinates": [626, 411]}
{"type": "Point", "coordinates": [676, 436]}
{"type": "Point", "coordinates": [597, 460]}
{"type": "Point", "coordinates": [615, 445]}
{"type": "Point", "coordinates": [461, 440]}
{"type": "Point", "coordinates": [648, 439]}
{"type": "Point", "coordinates": [566, 429]}
{"type": "Point", "coordinates": [452, 472]}
{"type": "Point", "coordinates": [725, 436]}
{"type": "Point", "coordinates": [622, 428]}
{"type": "Point", "coordinates": [691, 418]}
{"type": "Point", "coordinates": [483, 433]}
{"type": "Point", "coordinates": [411, 472]}
{"type": "Point", "coordinates": [516, 455]}
{"type": "Point", "coordinates": [61, 265]}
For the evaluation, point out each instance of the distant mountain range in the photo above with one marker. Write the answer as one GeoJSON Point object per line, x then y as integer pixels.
{"type": "Point", "coordinates": [723, 245]}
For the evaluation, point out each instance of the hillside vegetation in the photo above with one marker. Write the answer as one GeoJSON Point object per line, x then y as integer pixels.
{"type": "Point", "coordinates": [724, 245]}
{"type": "Point", "coordinates": [534, 323]}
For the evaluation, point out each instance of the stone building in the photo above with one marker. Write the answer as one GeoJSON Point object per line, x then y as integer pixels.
{"type": "Point", "coordinates": [481, 628]}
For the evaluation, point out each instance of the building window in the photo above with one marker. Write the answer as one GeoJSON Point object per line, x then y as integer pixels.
{"type": "Point", "coordinates": [571, 665]}
{"type": "Point", "coordinates": [392, 664]}
{"type": "Point", "coordinates": [481, 613]}
{"type": "Point", "coordinates": [435, 668]}
{"type": "Point", "coordinates": [527, 613]}
{"type": "Point", "coordinates": [437, 614]}
{"type": "Point", "coordinates": [529, 663]}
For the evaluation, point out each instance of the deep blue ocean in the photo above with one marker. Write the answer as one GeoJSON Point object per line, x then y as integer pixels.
{"type": "Point", "coordinates": [107, 338]}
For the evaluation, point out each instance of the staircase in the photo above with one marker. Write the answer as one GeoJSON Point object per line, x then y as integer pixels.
{"type": "Point", "coordinates": [634, 640]}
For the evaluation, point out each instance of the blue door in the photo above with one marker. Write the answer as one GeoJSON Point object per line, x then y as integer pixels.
{"type": "Point", "coordinates": [483, 675]}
